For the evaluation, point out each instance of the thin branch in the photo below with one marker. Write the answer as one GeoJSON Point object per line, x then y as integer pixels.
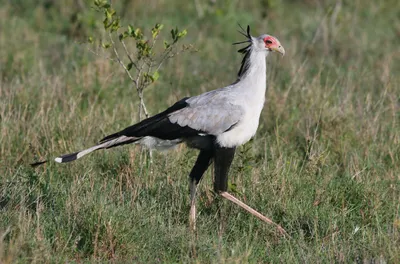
{"type": "Point", "coordinates": [136, 82]}
{"type": "Point", "coordinates": [168, 56]}
{"type": "Point", "coordinates": [150, 65]}
{"type": "Point", "coordinates": [139, 88]}
{"type": "Point", "coordinates": [127, 54]}
{"type": "Point", "coordinates": [143, 105]}
{"type": "Point", "coordinates": [101, 55]}
{"type": "Point", "coordinates": [164, 58]}
{"type": "Point", "coordinates": [120, 61]}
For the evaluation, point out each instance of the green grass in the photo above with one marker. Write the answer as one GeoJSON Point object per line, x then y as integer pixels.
{"type": "Point", "coordinates": [325, 162]}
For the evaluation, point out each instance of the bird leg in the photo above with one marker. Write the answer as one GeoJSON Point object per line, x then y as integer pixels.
{"type": "Point", "coordinates": [223, 159]}
{"type": "Point", "coordinates": [192, 214]}
{"type": "Point", "coordinates": [202, 163]}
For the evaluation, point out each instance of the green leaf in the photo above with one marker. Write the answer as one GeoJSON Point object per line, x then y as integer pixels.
{"type": "Point", "coordinates": [90, 40]}
{"type": "Point", "coordinates": [148, 78]}
{"type": "Point", "coordinates": [143, 48]}
{"type": "Point", "coordinates": [101, 3]}
{"type": "Point", "coordinates": [110, 13]}
{"type": "Point", "coordinates": [106, 45]}
{"type": "Point", "coordinates": [176, 35]}
{"type": "Point", "coordinates": [154, 32]}
{"type": "Point", "coordinates": [130, 30]}
{"type": "Point", "coordinates": [129, 66]}
{"type": "Point", "coordinates": [182, 33]}
{"type": "Point", "coordinates": [137, 34]}
{"type": "Point", "coordinates": [156, 75]}
{"type": "Point", "coordinates": [173, 33]}
{"type": "Point", "coordinates": [106, 23]}
{"type": "Point", "coordinates": [115, 25]}
{"type": "Point", "coordinates": [166, 45]}
{"type": "Point", "coordinates": [123, 35]}
{"type": "Point", "coordinates": [159, 26]}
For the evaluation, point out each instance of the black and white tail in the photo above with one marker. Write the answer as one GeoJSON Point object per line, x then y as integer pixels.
{"type": "Point", "coordinates": [156, 132]}
{"type": "Point", "coordinates": [104, 144]}
{"type": "Point", "coordinates": [109, 142]}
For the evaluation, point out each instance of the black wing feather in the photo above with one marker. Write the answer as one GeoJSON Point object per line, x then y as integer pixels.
{"type": "Point", "coordinates": [158, 126]}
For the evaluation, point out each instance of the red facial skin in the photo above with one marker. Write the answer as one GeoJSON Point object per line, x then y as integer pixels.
{"type": "Point", "coordinates": [271, 42]}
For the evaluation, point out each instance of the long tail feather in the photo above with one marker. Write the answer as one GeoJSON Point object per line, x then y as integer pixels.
{"type": "Point", "coordinates": [116, 141]}
{"type": "Point", "coordinates": [154, 132]}
{"type": "Point", "coordinates": [122, 140]}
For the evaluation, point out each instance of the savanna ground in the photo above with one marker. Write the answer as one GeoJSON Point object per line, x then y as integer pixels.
{"type": "Point", "coordinates": [325, 162]}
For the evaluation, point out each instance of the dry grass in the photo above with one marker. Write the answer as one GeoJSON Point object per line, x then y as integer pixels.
{"type": "Point", "coordinates": [324, 163]}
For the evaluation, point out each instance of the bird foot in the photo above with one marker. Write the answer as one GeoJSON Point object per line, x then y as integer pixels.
{"type": "Point", "coordinates": [233, 199]}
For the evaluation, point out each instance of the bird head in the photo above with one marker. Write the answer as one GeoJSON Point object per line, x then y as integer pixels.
{"type": "Point", "coordinates": [264, 43]}
{"type": "Point", "coordinates": [269, 43]}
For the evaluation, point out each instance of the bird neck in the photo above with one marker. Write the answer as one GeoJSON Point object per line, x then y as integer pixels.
{"type": "Point", "coordinates": [252, 74]}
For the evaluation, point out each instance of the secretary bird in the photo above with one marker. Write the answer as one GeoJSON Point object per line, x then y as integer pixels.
{"type": "Point", "coordinates": [215, 122]}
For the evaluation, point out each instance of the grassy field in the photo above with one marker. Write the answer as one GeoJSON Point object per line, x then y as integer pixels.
{"type": "Point", "coordinates": [325, 162]}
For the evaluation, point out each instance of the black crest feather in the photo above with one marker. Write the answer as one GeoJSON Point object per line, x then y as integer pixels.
{"type": "Point", "coordinates": [245, 33]}
{"type": "Point", "coordinates": [246, 50]}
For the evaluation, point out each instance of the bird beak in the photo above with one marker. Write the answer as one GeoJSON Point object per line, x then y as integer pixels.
{"type": "Point", "coordinates": [279, 48]}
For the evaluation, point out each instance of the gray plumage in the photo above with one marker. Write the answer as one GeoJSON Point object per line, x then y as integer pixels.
{"type": "Point", "coordinates": [212, 113]}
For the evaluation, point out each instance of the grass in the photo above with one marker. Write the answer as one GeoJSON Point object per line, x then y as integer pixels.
{"type": "Point", "coordinates": [324, 163]}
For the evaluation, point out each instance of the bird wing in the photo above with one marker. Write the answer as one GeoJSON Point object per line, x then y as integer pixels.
{"type": "Point", "coordinates": [158, 126]}
{"type": "Point", "coordinates": [212, 113]}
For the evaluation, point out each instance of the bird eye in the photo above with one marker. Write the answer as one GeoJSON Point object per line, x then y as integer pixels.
{"type": "Point", "coordinates": [268, 41]}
